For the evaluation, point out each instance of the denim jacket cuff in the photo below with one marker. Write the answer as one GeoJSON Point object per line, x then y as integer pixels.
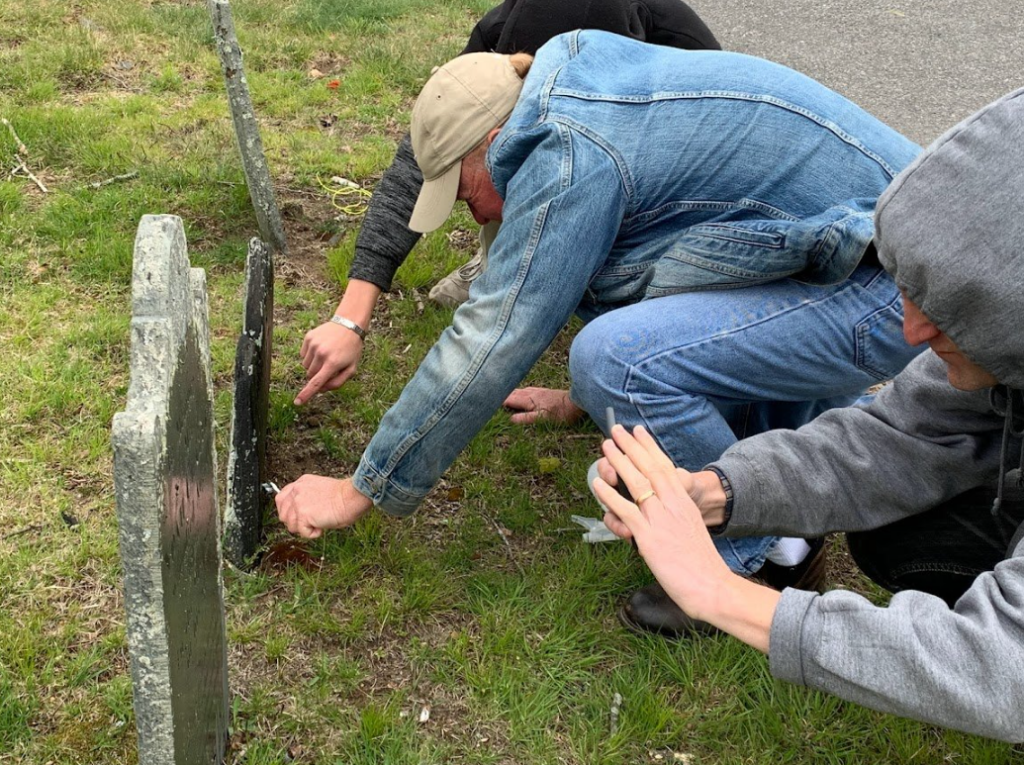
{"type": "Point", "coordinates": [390, 498]}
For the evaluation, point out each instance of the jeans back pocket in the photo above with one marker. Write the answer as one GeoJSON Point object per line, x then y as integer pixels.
{"type": "Point", "coordinates": [881, 349]}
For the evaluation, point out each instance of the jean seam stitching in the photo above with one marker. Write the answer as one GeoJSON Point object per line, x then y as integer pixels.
{"type": "Point", "coordinates": [750, 325]}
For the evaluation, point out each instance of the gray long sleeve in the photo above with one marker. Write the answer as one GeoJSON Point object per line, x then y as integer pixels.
{"type": "Point", "coordinates": [384, 240]}
{"type": "Point", "coordinates": [918, 444]}
{"type": "Point", "coordinates": [961, 668]}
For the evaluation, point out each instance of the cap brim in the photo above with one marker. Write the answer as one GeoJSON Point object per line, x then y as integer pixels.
{"type": "Point", "coordinates": [436, 200]}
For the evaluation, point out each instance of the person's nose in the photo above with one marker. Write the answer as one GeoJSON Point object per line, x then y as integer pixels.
{"type": "Point", "coordinates": [917, 328]}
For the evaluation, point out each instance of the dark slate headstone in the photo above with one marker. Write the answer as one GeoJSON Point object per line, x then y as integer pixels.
{"type": "Point", "coordinates": [247, 471]}
{"type": "Point", "coordinates": [250, 145]}
{"type": "Point", "coordinates": [169, 526]}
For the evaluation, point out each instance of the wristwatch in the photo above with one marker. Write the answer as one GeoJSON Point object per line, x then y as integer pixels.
{"type": "Point", "coordinates": [349, 324]}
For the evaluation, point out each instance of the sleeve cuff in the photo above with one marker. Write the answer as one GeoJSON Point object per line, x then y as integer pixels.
{"type": "Point", "coordinates": [372, 273]}
{"type": "Point", "coordinates": [746, 490]}
{"type": "Point", "coordinates": [786, 639]}
{"type": "Point", "coordinates": [385, 494]}
{"type": "Point", "coordinates": [727, 515]}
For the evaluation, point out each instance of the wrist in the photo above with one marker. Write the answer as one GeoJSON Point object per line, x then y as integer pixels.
{"type": "Point", "coordinates": [715, 598]}
{"type": "Point", "coordinates": [572, 412]}
{"type": "Point", "coordinates": [741, 607]}
{"type": "Point", "coordinates": [352, 497]}
{"type": "Point", "coordinates": [350, 325]}
{"type": "Point", "coordinates": [711, 497]}
{"type": "Point", "coordinates": [359, 302]}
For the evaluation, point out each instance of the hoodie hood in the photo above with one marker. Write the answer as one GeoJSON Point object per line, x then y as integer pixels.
{"type": "Point", "coordinates": [950, 230]}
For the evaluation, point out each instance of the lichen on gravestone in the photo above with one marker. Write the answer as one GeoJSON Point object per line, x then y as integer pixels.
{"type": "Point", "coordinates": [247, 471]}
{"type": "Point", "coordinates": [169, 526]}
{"type": "Point", "coordinates": [247, 131]}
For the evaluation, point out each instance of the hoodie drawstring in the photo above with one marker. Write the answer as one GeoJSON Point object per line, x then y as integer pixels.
{"type": "Point", "coordinates": [1008, 431]}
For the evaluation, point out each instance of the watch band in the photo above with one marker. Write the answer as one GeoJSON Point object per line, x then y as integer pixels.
{"type": "Point", "coordinates": [349, 324]}
{"type": "Point", "coordinates": [729, 496]}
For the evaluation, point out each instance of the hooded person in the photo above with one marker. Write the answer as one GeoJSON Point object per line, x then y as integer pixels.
{"type": "Point", "coordinates": [927, 476]}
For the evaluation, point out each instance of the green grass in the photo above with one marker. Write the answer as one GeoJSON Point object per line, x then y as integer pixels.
{"type": "Point", "coordinates": [513, 647]}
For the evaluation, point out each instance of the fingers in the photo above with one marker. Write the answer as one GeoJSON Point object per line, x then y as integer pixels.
{"type": "Point", "coordinates": [523, 402]}
{"type": "Point", "coordinates": [673, 495]}
{"type": "Point", "coordinates": [627, 513]}
{"type": "Point", "coordinates": [329, 355]}
{"type": "Point", "coordinates": [642, 450]}
{"type": "Point", "coordinates": [636, 482]}
{"type": "Point", "coordinates": [519, 399]}
{"type": "Point", "coordinates": [289, 514]}
{"type": "Point", "coordinates": [338, 380]}
{"type": "Point", "coordinates": [329, 377]}
{"type": "Point", "coordinates": [312, 387]}
{"type": "Point", "coordinates": [616, 526]}
{"type": "Point", "coordinates": [285, 502]}
{"type": "Point", "coordinates": [607, 472]}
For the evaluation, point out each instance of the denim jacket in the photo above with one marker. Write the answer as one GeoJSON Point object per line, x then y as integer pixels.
{"type": "Point", "coordinates": [630, 171]}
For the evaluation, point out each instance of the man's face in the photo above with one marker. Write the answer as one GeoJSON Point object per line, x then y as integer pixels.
{"type": "Point", "coordinates": [963, 373]}
{"type": "Point", "coordinates": [477, 191]}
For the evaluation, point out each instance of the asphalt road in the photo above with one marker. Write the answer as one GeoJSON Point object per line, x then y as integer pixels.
{"type": "Point", "coordinates": [919, 65]}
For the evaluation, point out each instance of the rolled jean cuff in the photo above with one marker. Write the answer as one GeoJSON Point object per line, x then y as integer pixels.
{"type": "Point", "coordinates": [385, 494]}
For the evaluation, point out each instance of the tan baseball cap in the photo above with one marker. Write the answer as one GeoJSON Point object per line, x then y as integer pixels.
{"type": "Point", "coordinates": [460, 104]}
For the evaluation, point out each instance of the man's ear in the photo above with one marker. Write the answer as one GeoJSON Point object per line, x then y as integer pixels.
{"type": "Point", "coordinates": [492, 135]}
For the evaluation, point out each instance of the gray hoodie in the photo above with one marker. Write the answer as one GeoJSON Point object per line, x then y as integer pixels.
{"type": "Point", "coordinates": [950, 229]}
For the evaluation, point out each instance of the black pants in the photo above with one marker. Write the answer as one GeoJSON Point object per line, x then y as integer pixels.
{"type": "Point", "coordinates": [943, 550]}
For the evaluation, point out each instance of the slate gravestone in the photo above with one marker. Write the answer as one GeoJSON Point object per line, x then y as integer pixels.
{"type": "Point", "coordinates": [243, 518]}
{"type": "Point", "coordinates": [169, 528]}
{"type": "Point", "coordinates": [250, 145]}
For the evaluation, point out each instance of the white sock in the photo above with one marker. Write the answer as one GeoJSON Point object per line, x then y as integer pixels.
{"type": "Point", "coordinates": [789, 551]}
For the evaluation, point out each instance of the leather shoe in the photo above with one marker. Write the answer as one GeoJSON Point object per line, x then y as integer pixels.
{"type": "Point", "coordinates": [651, 610]}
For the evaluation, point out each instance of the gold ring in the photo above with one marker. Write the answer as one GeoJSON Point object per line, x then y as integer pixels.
{"type": "Point", "coordinates": [644, 497]}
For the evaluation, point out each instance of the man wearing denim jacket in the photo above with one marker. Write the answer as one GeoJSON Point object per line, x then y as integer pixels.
{"type": "Point", "coordinates": [737, 192]}
{"type": "Point", "coordinates": [330, 353]}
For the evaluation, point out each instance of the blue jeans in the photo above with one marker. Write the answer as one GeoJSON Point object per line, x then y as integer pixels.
{"type": "Point", "coordinates": [701, 370]}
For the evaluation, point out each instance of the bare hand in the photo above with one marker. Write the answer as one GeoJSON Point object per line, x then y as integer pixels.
{"type": "Point", "coordinates": [314, 503]}
{"type": "Point", "coordinates": [330, 354]}
{"type": "Point", "coordinates": [704, 488]}
{"type": "Point", "coordinates": [533, 404]}
{"type": "Point", "coordinates": [667, 525]}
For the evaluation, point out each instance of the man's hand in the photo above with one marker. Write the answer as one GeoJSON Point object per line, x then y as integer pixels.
{"type": "Point", "coordinates": [704, 488]}
{"type": "Point", "coordinates": [671, 536]}
{"type": "Point", "coordinates": [314, 503]}
{"type": "Point", "coordinates": [330, 354]}
{"type": "Point", "coordinates": [533, 404]}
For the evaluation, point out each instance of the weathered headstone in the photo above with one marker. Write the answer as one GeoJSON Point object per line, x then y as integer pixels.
{"type": "Point", "coordinates": [243, 518]}
{"type": "Point", "coordinates": [250, 145]}
{"type": "Point", "coordinates": [169, 527]}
